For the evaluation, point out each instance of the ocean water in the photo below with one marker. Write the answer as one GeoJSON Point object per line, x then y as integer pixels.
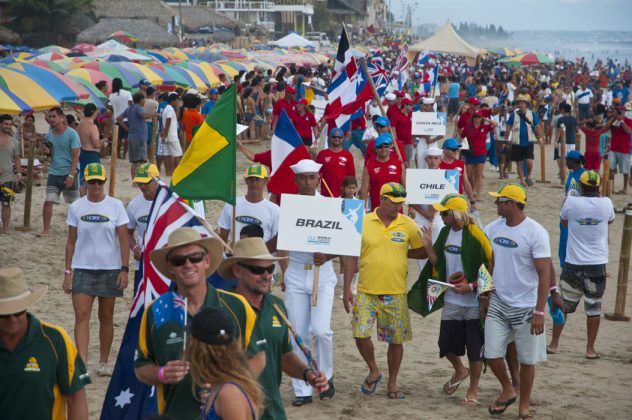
{"type": "Point", "coordinates": [591, 45]}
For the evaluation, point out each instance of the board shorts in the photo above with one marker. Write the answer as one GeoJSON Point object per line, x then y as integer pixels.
{"type": "Point", "coordinates": [620, 162]}
{"type": "Point", "coordinates": [137, 150]}
{"type": "Point", "coordinates": [460, 330]}
{"type": "Point", "coordinates": [55, 185]}
{"type": "Point", "coordinates": [520, 153]}
{"type": "Point", "coordinates": [588, 281]}
{"type": "Point", "coordinates": [391, 313]}
{"type": "Point", "coordinates": [101, 283]}
{"type": "Point", "coordinates": [7, 194]}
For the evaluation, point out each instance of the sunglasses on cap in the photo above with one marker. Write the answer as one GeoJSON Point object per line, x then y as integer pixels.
{"type": "Point", "coordinates": [503, 200]}
{"type": "Point", "coordinates": [96, 182]}
{"type": "Point", "coordinates": [17, 314]}
{"type": "Point", "coordinates": [180, 260]}
{"type": "Point", "coordinates": [254, 269]}
{"type": "Point", "coordinates": [396, 194]}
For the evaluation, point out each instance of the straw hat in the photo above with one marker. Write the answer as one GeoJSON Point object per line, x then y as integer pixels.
{"type": "Point", "coordinates": [15, 295]}
{"type": "Point", "coordinates": [246, 249]}
{"type": "Point", "coordinates": [185, 236]}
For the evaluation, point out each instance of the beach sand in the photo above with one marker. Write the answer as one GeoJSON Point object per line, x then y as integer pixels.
{"type": "Point", "coordinates": [567, 386]}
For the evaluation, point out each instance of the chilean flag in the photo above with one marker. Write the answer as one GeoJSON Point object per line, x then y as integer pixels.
{"type": "Point", "coordinates": [344, 67]}
{"type": "Point", "coordinates": [350, 103]}
{"type": "Point", "coordinates": [287, 149]}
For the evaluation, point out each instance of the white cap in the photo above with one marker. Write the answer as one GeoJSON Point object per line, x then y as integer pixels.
{"type": "Point", "coordinates": [390, 96]}
{"type": "Point", "coordinates": [272, 80]}
{"type": "Point", "coordinates": [434, 150]}
{"type": "Point", "coordinates": [306, 166]}
{"type": "Point", "coordinates": [428, 101]}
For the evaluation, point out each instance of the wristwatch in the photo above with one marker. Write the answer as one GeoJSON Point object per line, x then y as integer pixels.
{"type": "Point", "coordinates": [125, 268]}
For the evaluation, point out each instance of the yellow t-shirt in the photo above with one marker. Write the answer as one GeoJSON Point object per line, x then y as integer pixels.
{"type": "Point", "coordinates": [384, 254]}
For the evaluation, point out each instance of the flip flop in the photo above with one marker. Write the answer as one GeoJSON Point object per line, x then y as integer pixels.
{"type": "Point", "coordinates": [503, 404]}
{"type": "Point", "coordinates": [396, 395]}
{"type": "Point", "coordinates": [470, 402]}
{"type": "Point", "coordinates": [450, 388]}
{"type": "Point", "coordinates": [525, 416]}
{"type": "Point", "coordinates": [593, 356]}
{"type": "Point", "coordinates": [372, 385]}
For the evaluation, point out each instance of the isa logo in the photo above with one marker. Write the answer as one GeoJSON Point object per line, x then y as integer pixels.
{"type": "Point", "coordinates": [506, 242]}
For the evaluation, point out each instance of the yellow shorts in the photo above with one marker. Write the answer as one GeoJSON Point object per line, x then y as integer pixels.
{"type": "Point", "coordinates": [391, 312]}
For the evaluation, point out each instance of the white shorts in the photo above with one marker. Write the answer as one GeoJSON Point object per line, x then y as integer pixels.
{"type": "Point", "coordinates": [171, 148]}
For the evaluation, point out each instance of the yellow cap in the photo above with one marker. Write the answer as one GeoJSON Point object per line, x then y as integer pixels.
{"type": "Point", "coordinates": [590, 178]}
{"type": "Point", "coordinates": [452, 202]}
{"type": "Point", "coordinates": [515, 192]}
{"type": "Point", "coordinates": [146, 173]}
{"type": "Point", "coordinates": [256, 170]}
{"type": "Point", "coordinates": [94, 171]}
{"type": "Point", "coordinates": [394, 192]}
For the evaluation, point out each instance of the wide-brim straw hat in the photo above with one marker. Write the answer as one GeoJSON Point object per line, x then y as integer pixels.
{"type": "Point", "coordinates": [186, 236]}
{"type": "Point", "coordinates": [15, 295]}
{"type": "Point", "coordinates": [246, 249]}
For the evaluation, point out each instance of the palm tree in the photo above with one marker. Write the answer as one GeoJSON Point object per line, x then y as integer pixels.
{"type": "Point", "coordinates": [47, 21]}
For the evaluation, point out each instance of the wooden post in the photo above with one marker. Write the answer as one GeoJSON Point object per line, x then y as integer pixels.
{"type": "Point", "coordinates": [605, 178]}
{"type": "Point", "coordinates": [610, 188]}
{"type": "Point", "coordinates": [28, 194]}
{"type": "Point", "coordinates": [154, 136]}
{"type": "Point", "coordinates": [113, 157]}
{"type": "Point", "coordinates": [315, 285]}
{"type": "Point", "coordinates": [624, 269]}
{"type": "Point", "coordinates": [563, 160]}
{"type": "Point", "coordinates": [543, 164]}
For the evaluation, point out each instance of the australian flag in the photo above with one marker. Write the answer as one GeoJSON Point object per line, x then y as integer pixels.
{"type": "Point", "coordinates": [126, 397]}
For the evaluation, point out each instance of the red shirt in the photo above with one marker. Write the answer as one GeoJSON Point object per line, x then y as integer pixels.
{"type": "Point", "coordinates": [336, 165]}
{"type": "Point", "coordinates": [289, 107]}
{"type": "Point", "coordinates": [403, 125]}
{"type": "Point", "coordinates": [379, 174]}
{"type": "Point", "coordinates": [592, 138]}
{"type": "Point", "coordinates": [464, 120]}
{"type": "Point", "coordinates": [304, 124]}
{"type": "Point", "coordinates": [392, 111]}
{"type": "Point", "coordinates": [370, 151]}
{"type": "Point", "coordinates": [476, 137]}
{"type": "Point", "coordinates": [620, 139]}
{"type": "Point", "coordinates": [458, 165]}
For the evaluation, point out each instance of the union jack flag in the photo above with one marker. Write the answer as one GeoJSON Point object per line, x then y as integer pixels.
{"type": "Point", "coordinates": [379, 75]}
{"type": "Point", "coordinates": [402, 62]}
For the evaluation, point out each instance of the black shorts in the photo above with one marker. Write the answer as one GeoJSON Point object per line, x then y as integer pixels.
{"type": "Point", "coordinates": [520, 153]}
{"type": "Point", "coordinates": [307, 141]}
{"type": "Point", "coordinates": [460, 330]}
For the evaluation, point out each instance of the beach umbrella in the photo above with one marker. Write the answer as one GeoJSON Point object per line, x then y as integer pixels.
{"type": "Point", "coordinates": [191, 79]}
{"type": "Point", "coordinates": [49, 56]}
{"type": "Point", "coordinates": [11, 104]}
{"type": "Point", "coordinates": [210, 57]}
{"type": "Point", "coordinates": [203, 70]}
{"type": "Point", "coordinates": [130, 78]}
{"type": "Point", "coordinates": [120, 55]}
{"type": "Point", "coordinates": [228, 70]}
{"type": "Point", "coordinates": [54, 48]}
{"type": "Point", "coordinates": [56, 84]}
{"type": "Point", "coordinates": [26, 89]}
{"type": "Point", "coordinates": [527, 59]}
{"type": "Point", "coordinates": [50, 65]}
{"type": "Point", "coordinates": [179, 54]}
{"type": "Point", "coordinates": [146, 71]}
{"type": "Point", "coordinates": [123, 37]}
{"type": "Point", "coordinates": [84, 48]}
{"type": "Point", "coordinates": [96, 96]}
{"type": "Point", "coordinates": [71, 62]}
{"type": "Point", "coordinates": [90, 76]}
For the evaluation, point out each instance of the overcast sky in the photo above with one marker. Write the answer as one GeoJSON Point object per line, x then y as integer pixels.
{"type": "Point", "coordinates": [523, 14]}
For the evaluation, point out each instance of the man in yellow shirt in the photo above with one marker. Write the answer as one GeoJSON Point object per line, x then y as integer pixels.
{"type": "Point", "coordinates": [389, 238]}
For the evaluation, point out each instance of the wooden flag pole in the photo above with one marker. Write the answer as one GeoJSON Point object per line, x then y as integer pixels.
{"type": "Point", "coordinates": [28, 194]}
{"type": "Point", "coordinates": [154, 136]}
{"type": "Point", "coordinates": [543, 164]}
{"type": "Point", "coordinates": [113, 157]}
{"type": "Point", "coordinates": [605, 178]}
{"type": "Point", "coordinates": [563, 160]}
{"type": "Point", "coordinates": [624, 269]}
{"type": "Point", "coordinates": [315, 285]}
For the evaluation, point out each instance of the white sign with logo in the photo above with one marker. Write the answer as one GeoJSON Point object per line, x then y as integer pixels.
{"type": "Point", "coordinates": [429, 123]}
{"type": "Point", "coordinates": [429, 186]}
{"type": "Point", "coordinates": [320, 224]}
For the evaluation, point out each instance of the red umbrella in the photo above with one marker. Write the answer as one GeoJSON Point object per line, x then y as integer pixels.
{"type": "Point", "coordinates": [83, 48]}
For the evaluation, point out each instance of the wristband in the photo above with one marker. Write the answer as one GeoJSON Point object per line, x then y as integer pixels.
{"type": "Point", "coordinates": [482, 297]}
{"type": "Point", "coordinates": [135, 247]}
{"type": "Point", "coordinates": [71, 176]}
{"type": "Point", "coordinates": [553, 289]}
{"type": "Point", "coordinates": [538, 313]}
{"type": "Point", "coordinates": [67, 272]}
{"type": "Point", "coordinates": [305, 375]}
{"type": "Point", "coordinates": [161, 375]}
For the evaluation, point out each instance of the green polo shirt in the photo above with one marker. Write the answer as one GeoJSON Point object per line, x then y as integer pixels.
{"type": "Point", "coordinates": [37, 375]}
{"type": "Point", "coordinates": [161, 338]}
{"type": "Point", "coordinates": [277, 343]}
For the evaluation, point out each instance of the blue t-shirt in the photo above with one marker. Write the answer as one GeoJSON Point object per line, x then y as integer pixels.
{"type": "Point", "coordinates": [570, 126]}
{"type": "Point", "coordinates": [61, 150]}
{"type": "Point", "coordinates": [207, 107]}
{"type": "Point", "coordinates": [572, 180]}
{"type": "Point", "coordinates": [453, 90]}
{"type": "Point", "coordinates": [524, 135]}
{"type": "Point", "coordinates": [161, 107]}
{"type": "Point", "coordinates": [622, 94]}
{"type": "Point", "coordinates": [136, 122]}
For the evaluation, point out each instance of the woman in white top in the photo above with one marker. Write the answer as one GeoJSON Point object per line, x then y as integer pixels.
{"type": "Point", "coordinates": [97, 254]}
{"type": "Point", "coordinates": [120, 100]}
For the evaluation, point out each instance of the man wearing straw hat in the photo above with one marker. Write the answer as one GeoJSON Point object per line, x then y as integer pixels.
{"type": "Point", "coordinates": [310, 321]}
{"type": "Point", "coordinates": [41, 373]}
{"type": "Point", "coordinates": [252, 266]}
{"type": "Point", "coordinates": [188, 259]}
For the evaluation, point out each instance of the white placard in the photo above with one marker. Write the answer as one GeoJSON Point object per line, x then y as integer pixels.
{"type": "Point", "coordinates": [429, 186]}
{"type": "Point", "coordinates": [241, 128]}
{"type": "Point", "coordinates": [429, 123]}
{"type": "Point", "coordinates": [320, 224]}
{"type": "Point", "coordinates": [319, 105]}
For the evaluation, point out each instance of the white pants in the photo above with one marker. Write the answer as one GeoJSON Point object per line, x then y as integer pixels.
{"type": "Point", "coordinates": [311, 321]}
{"type": "Point", "coordinates": [420, 154]}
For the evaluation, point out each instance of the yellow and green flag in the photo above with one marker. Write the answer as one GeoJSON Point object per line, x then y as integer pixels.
{"type": "Point", "coordinates": [207, 169]}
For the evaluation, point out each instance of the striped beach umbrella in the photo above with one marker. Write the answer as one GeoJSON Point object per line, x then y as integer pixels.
{"type": "Point", "coordinates": [129, 77]}
{"type": "Point", "coordinates": [26, 89]}
{"type": "Point", "coordinates": [96, 96]}
{"type": "Point", "coordinates": [56, 84]}
{"type": "Point", "coordinates": [11, 104]}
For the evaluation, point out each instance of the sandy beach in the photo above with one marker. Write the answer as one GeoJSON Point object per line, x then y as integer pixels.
{"type": "Point", "coordinates": [567, 386]}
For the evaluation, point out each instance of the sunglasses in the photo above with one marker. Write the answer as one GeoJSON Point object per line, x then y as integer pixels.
{"type": "Point", "coordinates": [17, 314]}
{"type": "Point", "coordinates": [96, 182]}
{"type": "Point", "coordinates": [180, 260]}
{"type": "Point", "coordinates": [383, 146]}
{"type": "Point", "coordinates": [380, 126]}
{"type": "Point", "coordinates": [336, 137]}
{"type": "Point", "coordinates": [445, 213]}
{"type": "Point", "coordinates": [453, 150]}
{"type": "Point", "coordinates": [254, 269]}
{"type": "Point", "coordinates": [396, 194]}
{"type": "Point", "coordinates": [503, 200]}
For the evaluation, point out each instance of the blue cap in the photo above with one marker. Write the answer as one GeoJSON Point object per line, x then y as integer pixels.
{"type": "Point", "coordinates": [144, 82]}
{"type": "Point", "coordinates": [574, 155]}
{"type": "Point", "coordinates": [451, 143]}
{"type": "Point", "coordinates": [383, 121]}
{"type": "Point", "coordinates": [384, 138]}
{"type": "Point", "coordinates": [213, 91]}
{"type": "Point", "coordinates": [336, 131]}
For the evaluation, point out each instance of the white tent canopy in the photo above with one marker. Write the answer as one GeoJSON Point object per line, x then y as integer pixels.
{"type": "Point", "coordinates": [446, 41]}
{"type": "Point", "coordinates": [112, 45]}
{"type": "Point", "coordinates": [292, 40]}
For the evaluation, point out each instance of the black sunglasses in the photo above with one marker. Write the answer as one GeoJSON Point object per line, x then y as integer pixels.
{"type": "Point", "coordinates": [445, 213]}
{"type": "Point", "coordinates": [254, 269]}
{"type": "Point", "coordinates": [17, 314]}
{"type": "Point", "coordinates": [180, 260]}
{"type": "Point", "coordinates": [96, 181]}
{"type": "Point", "coordinates": [396, 194]}
{"type": "Point", "coordinates": [383, 146]}
{"type": "Point", "coordinates": [336, 137]}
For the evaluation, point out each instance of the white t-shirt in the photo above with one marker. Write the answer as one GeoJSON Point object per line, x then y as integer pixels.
{"type": "Point", "coordinates": [453, 263]}
{"type": "Point", "coordinates": [169, 112]}
{"type": "Point", "coordinates": [120, 102]}
{"type": "Point", "coordinates": [588, 219]}
{"type": "Point", "coordinates": [138, 214]}
{"type": "Point", "coordinates": [264, 213]}
{"type": "Point", "coordinates": [511, 91]}
{"type": "Point", "coordinates": [583, 96]}
{"type": "Point", "coordinates": [97, 246]}
{"type": "Point", "coordinates": [515, 248]}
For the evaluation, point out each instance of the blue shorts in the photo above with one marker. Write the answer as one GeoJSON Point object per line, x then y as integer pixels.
{"type": "Point", "coordinates": [475, 160]}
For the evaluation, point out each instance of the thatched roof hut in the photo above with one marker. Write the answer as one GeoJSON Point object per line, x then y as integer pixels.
{"type": "Point", "coordinates": [137, 9]}
{"type": "Point", "coordinates": [196, 16]}
{"type": "Point", "coordinates": [7, 36]}
{"type": "Point", "coordinates": [149, 32]}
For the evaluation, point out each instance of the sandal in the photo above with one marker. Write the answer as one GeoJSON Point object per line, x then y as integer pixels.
{"type": "Point", "coordinates": [450, 388]}
{"type": "Point", "coordinates": [396, 395]}
{"type": "Point", "coordinates": [503, 404]}
{"type": "Point", "coordinates": [470, 402]}
{"type": "Point", "coordinates": [525, 416]}
{"type": "Point", "coordinates": [372, 386]}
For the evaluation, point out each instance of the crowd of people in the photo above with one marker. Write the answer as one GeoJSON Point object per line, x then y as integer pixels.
{"type": "Point", "coordinates": [229, 359]}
